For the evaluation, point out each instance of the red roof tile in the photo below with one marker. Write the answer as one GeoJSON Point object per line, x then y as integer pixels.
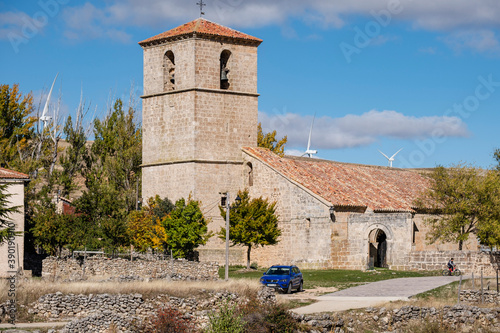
{"type": "Point", "coordinates": [344, 184]}
{"type": "Point", "coordinates": [203, 27]}
{"type": "Point", "coordinates": [11, 174]}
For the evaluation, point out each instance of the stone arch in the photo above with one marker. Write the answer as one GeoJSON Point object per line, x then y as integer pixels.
{"type": "Point", "coordinates": [169, 71]}
{"type": "Point", "coordinates": [379, 242]}
{"type": "Point", "coordinates": [224, 69]}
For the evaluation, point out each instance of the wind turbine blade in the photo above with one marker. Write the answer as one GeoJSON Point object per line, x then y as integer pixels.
{"type": "Point", "coordinates": [384, 154]}
{"type": "Point", "coordinates": [392, 157]}
{"type": "Point", "coordinates": [46, 107]}
{"type": "Point", "coordinates": [310, 133]}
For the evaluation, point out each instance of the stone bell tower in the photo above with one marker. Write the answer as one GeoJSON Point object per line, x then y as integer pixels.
{"type": "Point", "coordinates": [200, 107]}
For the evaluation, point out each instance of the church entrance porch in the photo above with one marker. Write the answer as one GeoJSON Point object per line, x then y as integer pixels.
{"type": "Point", "coordinates": [377, 246]}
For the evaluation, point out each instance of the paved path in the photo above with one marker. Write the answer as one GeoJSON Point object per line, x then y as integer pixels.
{"type": "Point", "coordinates": [375, 293]}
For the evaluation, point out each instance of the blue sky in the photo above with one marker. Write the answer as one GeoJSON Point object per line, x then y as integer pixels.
{"type": "Point", "coordinates": [379, 74]}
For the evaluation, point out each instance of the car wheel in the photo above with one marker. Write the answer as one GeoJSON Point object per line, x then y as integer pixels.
{"type": "Point", "coordinates": [301, 286]}
{"type": "Point", "coordinates": [289, 289]}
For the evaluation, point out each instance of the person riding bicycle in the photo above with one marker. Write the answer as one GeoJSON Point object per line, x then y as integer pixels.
{"type": "Point", "coordinates": [451, 266]}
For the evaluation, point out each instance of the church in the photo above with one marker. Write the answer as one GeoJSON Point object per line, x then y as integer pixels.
{"type": "Point", "coordinates": [200, 108]}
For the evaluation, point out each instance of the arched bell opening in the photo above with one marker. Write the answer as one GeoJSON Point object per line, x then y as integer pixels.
{"type": "Point", "coordinates": [224, 69]}
{"type": "Point", "coordinates": [169, 71]}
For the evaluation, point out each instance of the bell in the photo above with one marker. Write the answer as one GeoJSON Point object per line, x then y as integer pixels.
{"type": "Point", "coordinates": [223, 74]}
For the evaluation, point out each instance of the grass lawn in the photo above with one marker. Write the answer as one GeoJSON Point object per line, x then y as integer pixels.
{"type": "Point", "coordinates": [340, 279]}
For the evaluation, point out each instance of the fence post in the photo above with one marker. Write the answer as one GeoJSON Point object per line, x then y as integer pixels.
{"type": "Point", "coordinates": [482, 295]}
{"type": "Point", "coordinates": [459, 287]}
{"type": "Point", "coordinates": [84, 261]}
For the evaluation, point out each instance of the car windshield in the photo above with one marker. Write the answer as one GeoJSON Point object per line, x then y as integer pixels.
{"type": "Point", "coordinates": [278, 271]}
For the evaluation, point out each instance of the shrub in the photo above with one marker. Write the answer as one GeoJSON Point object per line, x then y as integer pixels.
{"type": "Point", "coordinates": [227, 320]}
{"type": "Point", "coordinates": [168, 320]}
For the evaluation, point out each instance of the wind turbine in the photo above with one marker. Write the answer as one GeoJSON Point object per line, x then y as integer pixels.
{"type": "Point", "coordinates": [390, 159]}
{"type": "Point", "coordinates": [45, 118]}
{"type": "Point", "coordinates": [308, 151]}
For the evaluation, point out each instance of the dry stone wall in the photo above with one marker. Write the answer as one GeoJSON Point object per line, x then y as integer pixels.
{"type": "Point", "coordinates": [476, 296]}
{"type": "Point", "coordinates": [383, 320]}
{"type": "Point", "coordinates": [126, 270]}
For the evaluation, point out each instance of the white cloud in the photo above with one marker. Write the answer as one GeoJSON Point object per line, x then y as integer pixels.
{"type": "Point", "coordinates": [18, 23]}
{"type": "Point", "coordinates": [428, 50]}
{"type": "Point", "coordinates": [90, 22]}
{"type": "Point", "coordinates": [440, 15]}
{"type": "Point", "coordinates": [360, 130]}
{"type": "Point", "coordinates": [483, 41]}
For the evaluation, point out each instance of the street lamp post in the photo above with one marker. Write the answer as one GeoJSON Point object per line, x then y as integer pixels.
{"type": "Point", "coordinates": [228, 210]}
{"type": "Point", "coordinates": [226, 269]}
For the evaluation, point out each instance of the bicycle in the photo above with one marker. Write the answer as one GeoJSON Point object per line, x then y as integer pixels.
{"type": "Point", "coordinates": [455, 272]}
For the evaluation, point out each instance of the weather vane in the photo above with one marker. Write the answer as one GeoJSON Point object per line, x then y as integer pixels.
{"type": "Point", "coordinates": [201, 4]}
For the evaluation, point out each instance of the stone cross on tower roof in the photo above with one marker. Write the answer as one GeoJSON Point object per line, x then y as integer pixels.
{"type": "Point", "coordinates": [201, 4]}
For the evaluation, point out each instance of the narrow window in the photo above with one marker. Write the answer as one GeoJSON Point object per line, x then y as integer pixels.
{"type": "Point", "coordinates": [249, 172]}
{"type": "Point", "coordinates": [415, 230]}
{"type": "Point", "coordinates": [224, 70]}
{"type": "Point", "coordinates": [169, 71]}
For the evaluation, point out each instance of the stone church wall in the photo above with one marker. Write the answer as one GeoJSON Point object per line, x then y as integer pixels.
{"type": "Point", "coordinates": [396, 227]}
{"type": "Point", "coordinates": [304, 221]}
{"type": "Point", "coordinates": [467, 261]}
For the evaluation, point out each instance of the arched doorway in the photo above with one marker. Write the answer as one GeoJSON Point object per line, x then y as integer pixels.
{"type": "Point", "coordinates": [378, 248]}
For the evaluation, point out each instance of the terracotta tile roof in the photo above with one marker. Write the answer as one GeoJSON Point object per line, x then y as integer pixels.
{"type": "Point", "coordinates": [203, 27]}
{"type": "Point", "coordinates": [11, 174]}
{"type": "Point", "coordinates": [344, 184]}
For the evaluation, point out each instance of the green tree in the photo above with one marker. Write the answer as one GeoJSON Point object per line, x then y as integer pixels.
{"type": "Point", "coordinates": [458, 196]}
{"type": "Point", "coordinates": [253, 223]}
{"type": "Point", "coordinates": [117, 148]}
{"type": "Point", "coordinates": [73, 159]}
{"type": "Point", "coordinates": [144, 226]}
{"type": "Point", "coordinates": [52, 230]}
{"type": "Point", "coordinates": [5, 211]}
{"type": "Point", "coordinates": [268, 140]}
{"type": "Point", "coordinates": [489, 228]}
{"type": "Point", "coordinates": [16, 126]}
{"type": "Point", "coordinates": [185, 228]}
{"type": "Point", "coordinates": [496, 155]}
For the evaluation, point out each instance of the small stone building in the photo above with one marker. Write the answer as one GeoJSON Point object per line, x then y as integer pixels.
{"type": "Point", "coordinates": [15, 182]}
{"type": "Point", "coordinates": [200, 109]}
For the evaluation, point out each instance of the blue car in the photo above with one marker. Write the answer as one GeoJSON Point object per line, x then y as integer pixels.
{"type": "Point", "coordinates": [283, 278]}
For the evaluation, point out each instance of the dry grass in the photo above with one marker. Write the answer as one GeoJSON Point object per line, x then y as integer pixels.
{"type": "Point", "coordinates": [30, 290]}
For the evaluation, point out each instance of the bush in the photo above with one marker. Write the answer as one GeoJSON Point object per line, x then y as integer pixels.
{"type": "Point", "coordinates": [226, 321]}
{"type": "Point", "coordinates": [168, 320]}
